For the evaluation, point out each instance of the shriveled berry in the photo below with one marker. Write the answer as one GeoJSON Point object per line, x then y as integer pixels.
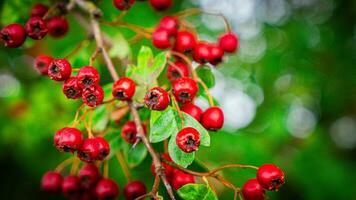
{"type": "Point", "coordinates": [170, 23]}
{"type": "Point", "coordinates": [161, 5]}
{"type": "Point", "coordinates": [71, 88]}
{"type": "Point", "coordinates": [252, 190]}
{"type": "Point", "coordinates": [270, 177]}
{"type": "Point", "coordinates": [88, 76]}
{"type": "Point", "coordinates": [180, 179]}
{"type": "Point", "coordinates": [13, 35]}
{"type": "Point", "coordinates": [89, 151]}
{"type": "Point", "coordinates": [134, 189]}
{"type": "Point", "coordinates": [42, 63]}
{"type": "Point", "coordinates": [229, 42]}
{"type": "Point", "coordinates": [168, 170]}
{"type": "Point", "coordinates": [106, 189]}
{"type": "Point", "coordinates": [71, 186]}
{"type": "Point", "coordinates": [89, 175]}
{"type": "Point", "coordinates": [129, 132]}
{"type": "Point", "coordinates": [124, 89]}
{"type": "Point", "coordinates": [57, 26]}
{"type": "Point", "coordinates": [201, 52]}
{"type": "Point", "coordinates": [59, 69]}
{"type": "Point", "coordinates": [185, 89]}
{"type": "Point", "coordinates": [93, 95]}
{"type": "Point", "coordinates": [185, 42]}
{"type": "Point", "coordinates": [213, 118]}
{"type": "Point", "coordinates": [51, 182]}
{"type": "Point", "coordinates": [192, 110]}
{"type": "Point", "coordinates": [157, 99]}
{"type": "Point", "coordinates": [123, 4]}
{"type": "Point", "coordinates": [104, 148]}
{"type": "Point", "coordinates": [176, 70]}
{"type": "Point", "coordinates": [161, 39]}
{"type": "Point", "coordinates": [216, 54]}
{"type": "Point", "coordinates": [36, 28]}
{"type": "Point", "coordinates": [38, 10]}
{"type": "Point", "coordinates": [188, 139]}
{"type": "Point", "coordinates": [68, 139]}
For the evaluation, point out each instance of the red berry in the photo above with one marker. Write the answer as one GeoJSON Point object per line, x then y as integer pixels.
{"type": "Point", "coordinates": [71, 186]}
{"type": "Point", "coordinates": [42, 63]}
{"type": "Point", "coordinates": [161, 5]}
{"type": "Point", "coordinates": [216, 54]}
{"type": "Point", "coordinates": [228, 42]}
{"type": "Point", "coordinates": [134, 189]}
{"type": "Point", "coordinates": [51, 182]}
{"type": "Point", "coordinates": [161, 39]}
{"type": "Point", "coordinates": [57, 26]}
{"type": "Point", "coordinates": [123, 4]}
{"type": "Point", "coordinates": [68, 139]}
{"type": "Point", "coordinates": [38, 10]}
{"type": "Point", "coordinates": [71, 88]}
{"type": "Point", "coordinates": [13, 35]}
{"type": "Point", "coordinates": [129, 132]}
{"type": "Point", "coordinates": [124, 89]}
{"type": "Point", "coordinates": [180, 179]}
{"type": "Point", "coordinates": [213, 118]}
{"type": "Point", "coordinates": [36, 28]}
{"type": "Point", "coordinates": [104, 148]}
{"type": "Point", "coordinates": [170, 23]}
{"type": "Point", "coordinates": [168, 170]}
{"type": "Point", "coordinates": [252, 190]}
{"type": "Point", "coordinates": [188, 139]}
{"type": "Point", "coordinates": [89, 175]}
{"type": "Point", "coordinates": [89, 150]}
{"type": "Point", "coordinates": [185, 42]}
{"type": "Point", "coordinates": [106, 189]}
{"type": "Point", "coordinates": [185, 89]}
{"type": "Point", "coordinates": [270, 177]}
{"type": "Point", "coordinates": [59, 69]}
{"type": "Point", "coordinates": [93, 96]}
{"type": "Point", "coordinates": [88, 76]}
{"type": "Point", "coordinates": [192, 110]}
{"type": "Point", "coordinates": [157, 99]}
{"type": "Point", "coordinates": [176, 70]}
{"type": "Point", "coordinates": [201, 52]}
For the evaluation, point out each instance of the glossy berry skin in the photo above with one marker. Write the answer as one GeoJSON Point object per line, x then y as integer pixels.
{"type": "Point", "coordinates": [176, 70]}
{"type": "Point", "coordinates": [134, 189]}
{"type": "Point", "coordinates": [201, 53]}
{"type": "Point", "coordinates": [168, 170]}
{"type": "Point", "coordinates": [89, 151]}
{"type": "Point", "coordinates": [36, 28]}
{"type": "Point", "coordinates": [89, 175]}
{"type": "Point", "coordinates": [213, 118]}
{"type": "Point", "coordinates": [169, 23]}
{"type": "Point", "coordinates": [185, 42]}
{"type": "Point", "coordinates": [59, 69]}
{"type": "Point", "coordinates": [270, 177]}
{"type": "Point", "coordinates": [13, 35]}
{"type": "Point", "coordinates": [124, 89]}
{"type": "Point", "coordinates": [42, 63]}
{"type": "Point", "coordinates": [229, 42]}
{"type": "Point", "coordinates": [93, 96]}
{"type": "Point", "coordinates": [129, 132]}
{"type": "Point", "coordinates": [188, 139]}
{"type": "Point", "coordinates": [216, 54]}
{"type": "Point", "coordinates": [71, 186]}
{"type": "Point", "coordinates": [106, 189]}
{"type": "Point", "coordinates": [192, 110]}
{"type": "Point", "coordinates": [51, 182]}
{"type": "Point", "coordinates": [68, 139]}
{"type": "Point", "coordinates": [57, 26]}
{"type": "Point", "coordinates": [38, 10]}
{"type": "Point", "coordinates": [88, 76]}
{"type": "Point", "coordinates": [157, 99]}
{"type": "Point", "coordinates": [161, 39]}
{"type": "Point", "coordinates": [185, 89]}
{"type": "Point", "coordinates": [180, 179]}
{"type": "Point", "coordinates": [71, 88]}
{"type": "Point", "coordinates": [123, 4]}
{"type": "Point", "coordinates": [252, 190]}
{"type": "Point", "coordinates": [161, 5]}
{"type": "Point", "coordinates": [104, 148]}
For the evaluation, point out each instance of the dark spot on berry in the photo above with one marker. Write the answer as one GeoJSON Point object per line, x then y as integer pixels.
{"type": "Point", "coordinates": [276, 183]}
{"type": "Point", "coordinates": [87, 81]}
{"type": "Point", "coordinates": [120, 95]}
{"type": "Point", "coordinates": [184, 96]}
{"type": "Point", "coordinates": [58, 31]}
{"type": "Point", "coordinates": [36, 27]}
{"type": "Point", "coordinates": [41, 65]}
{"type": "Point", "coordinates": [84, 156]}
{"type": "Point", "coordinates": [153, 99]}
{"type": "Point", "coordinates": [65, 148]}
{"type": "Point", "coordinates": [54, 69]}
{"type": "Point", "coordinates": [176, 74]}
{"type": "Point", "coordinates": [91, 98]}
{"type": "Point", "coordinates": [191, 143]}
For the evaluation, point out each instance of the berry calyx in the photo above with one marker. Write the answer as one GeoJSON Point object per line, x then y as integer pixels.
{"type": "Point", "coordinates": [157, 99]}
{"type": "Point", "coordinates": [201, 53]}
{"type": "Point", "coordinates": [89, 151]}
{"type": "Point", "coordinates": [270, 177]}
{"type": "Point", "coordinates": [124, 89]}
{"type": "Point", "coordinates": [192, 110]}
{"type": "Point", "coordinates": [161, 5]}
{"type": "Point", "coordinates": [106, 189]}
{"type": "Point", "coordinates": [216, 54]}
{"type": "Point", "coordinates": [123, 4]}
{"type": "Point", "coordinates": [185, 42]}
{"type": "Point", "coordinates": [89, 175]}
{"type": "Point", "coordinates": [213, 118]}
{"type": "Point", "coordinates": [134, 189]}
{"type": "Point", "coordinates": [169, 23]}
{"type": "Point", "coordinates": [38, 10]}
{"type": "Point", "coordinates": [71, 88]}
{"type": "Point", "coordinates": [180, 179]}
{"type": "Point", "coordinates": [13, 35]}
{"type": "Point", "coordinates": [168, 170]}
{"type": "Point", "coordinates": [161, 39]}
{"type": "Point", "coordinates": [68, 139]}
{"type": "Point", "coordinates": [129, 132]}
{"type": "Point", "coordinates": [51, 182]}
{"type": "Point", "coordinates": [176, 70]}
{"type": "Point", "coordinates": [71, 186]}
{"type": "Point", "coordinates": [57, 26]}
{"type": "Point", "coordinates": [59, 69]}
{"type": "Point", "coordinates": [252, 190]}
{"type": "Point", "coordinates": [188, 139]}
{"type": "Point", "coordinates": [184, 89]}
{"type": "Point", "coordinates": [88, 76]}
{"type": "Point", "coordinates": [36, 28]}
{"type": "Point", "coordinates": [93, 95]}
{"type": "Point", "coordinates": [229, 42]}
{"type": "Point", "coordinates": [42, 63]}
{"type": "Point", "coordinates": [104, 148]}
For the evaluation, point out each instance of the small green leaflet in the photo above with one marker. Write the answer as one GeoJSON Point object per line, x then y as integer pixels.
{"type": "Point", "coordinates": [206, 75]}
{"type": "Point", "coordinates": [163, 124]}
{"type": "Point", "coordinates": [196, 191]}
{"type": "Point", "coordinates": [134, 156]}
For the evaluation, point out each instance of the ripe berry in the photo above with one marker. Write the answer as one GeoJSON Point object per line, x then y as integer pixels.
{"type": "Point", "coordinates": [71, 88]}
{"type": "Point", "coordinates": [180, 179]}
{"type": "Point", "coordinates": [176, 70]}
{"type": "Point", "coordinates": [134, 189]}
{"type": "Point", "coordinates": [270, 177]}
{"type": "Point", "coordinates": [185, 42]}
{"type": "Point", "coordinates": [184, 89]}
{"type": "Point", "coordinates": [192, 110]}
{"type": "Point", "coordinates": [51, 182]}
{"type": "Point", "coordinates": [168, 170]}
{"type": "Point", "coordinates": [213, 118]}
{"type": "Point", "coordinates": [13, 35]}
{"type": "Point", "coordinates": [228, 42]}
{"type": "Point", "coordinates": [252, 190]}
{"type": "Point", "coordinates": [188, 139]}
{"type": "Point", "coordinates": [57, 26]}
{"type": "Point", "coordinates": [124, 89]}
{"type": "Point", "coordinates": [106, 189]}
{"type": "Point", "coordinates": [93, 96]}
{"type": "Point", "coordinates": [169, 23]}
{"type": "Point", "coordinates": [161, 5]}
{"type": "Point", "coordinates": [38, 10]}
{"type": "Point", "coordinates": [129, 132]}
{"type": "Point", "coordinates": [157, 99]}
{"type": "Point", "coordinates": [104, 148]}
{"type": "Point", "coordinates": [36, 28]}
{"type": "Point", "coordinates": [123, 4]}
{"type": "Point", "coordinates": [59, 70]}
{"type": "Point", "coordinates": [71, 186]}
{"type": "Point", "coordinates": [42, 63]}
{"type": "Point", "coordinates": [68, 139]}
{"type": "Point", "coordinates": [161, 39]}
{"type": "Point", "coordinates": [88, 76]}
{"type": "Point", "coordinates": [201, 53]}
{"type": "Point", "coordinates": [216, 54]}
{"type": "Point", "coordinates": [89, 175]}
{"type": "Point", "coordinates": [89, 150]}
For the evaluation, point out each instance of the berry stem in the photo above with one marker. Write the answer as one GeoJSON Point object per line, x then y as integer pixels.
{"type": "Point", "coordinates": [123, 165]}
{"type": "Point", "coordinates": [207, 91]}
{"type": "Point", "coordinates": [77, 48]}
{"type": "Point", "coordinates": [175, 103]}
{"type": "Point", "coordinates": [64, 164]}
{"type": "Point", "coordinates": [75, 164]}
{"type": "Point", "coordinates": [106, 169]}
{"type": "Point", "coordinates": [93, 56]}
{"type": "Point", "coordinates": [138, 29]}
{"type": "Point", "coordinates": [76, 121]}
{"type": "Point", "coordinates": [187, 61]}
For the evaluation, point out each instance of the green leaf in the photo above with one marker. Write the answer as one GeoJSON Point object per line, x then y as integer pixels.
{"type": "Point", "coordinates": [163, 124]}
{"type": "Point", "coordinates": [115, 140]}
{"type": "Point", "coordinates": [178, 156]}
{"type": "Point", "coordinates": [136, 155]}
{"type": "Point", "coordinates": [196, 191]}
{"type": "Point", "coordinates": [145, 57]}
{"type": "Point", "coordinates": [190, 121]}
{"type": "Point", "coordinates": [100, 118]}
{"type": "Point", "coordinates": [107, 91]}
{"type": "Point", "coordinates": [206, 75]}
{"type": "Point", "coordinates": [121, 49]}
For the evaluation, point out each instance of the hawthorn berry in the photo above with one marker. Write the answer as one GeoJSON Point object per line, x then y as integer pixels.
{"type": "Point", "coordinates": [180, 179]}
{"type": "Point", "coordinates": [228, 42]}
{"type": "Point", "coordinates": [188, 139]}
{"type": "Point", "coordinates": [192, 110]}
{"type": "Point", "coordinates": [57, 26]}
{"type": "Point", "coordinates": [176, 70]}
{"type": "Point", "coordinates": [38, 10]}
{"type": "Point", "coordinates": [88, 76]}
{"type": "Point", "coordinates": [93, 95]}
{"type": "Point", "coordinates": [168, 170]}
{"type": "Point", "coordinates": [124, 89]}
{"type": "Point", "coordinates": [51, 182]}
{"type": "Point", "coordinates": [42, 63]}
{"type": "Point", "coordinates": [59, 69]}
{"type": "Point", "coordinates": [252, 190]}
{"type": "Point", "coordinates": [161, 5]}
{"type": "Point", "coordinates": [13, 35]}
{"type": "Point", "coordinates": [36, 28]}
{"type": "Point", "coordinates": [89, 150]}
{"type": "Point", "coordinates": [161, 39]}
{"type": "Point", "coordinates": [169, 23]}
{"type": "Point", "coordinates": [202, 53]}
{"type": "Point", "coordinates": [106, 189]}
{"type": "Point", "coordinates": [157, 99]}
{"type": "Point", "coordinates": [134, 189]}
{"type": "Point", "coordinates": [185, 42]}
{"type": "Point", "coordinates": [71, 186]}
{"type": "Point", "coordinates": [216, 54]}
{"type": "Point", "coordinates": [89, 175]}
{"type": "Point", "coordinates": [71, 88]}
{"type": "Point", "coordinates": [184, 89]}
{"type": "Point", "coordinates": [270, 177]}
{"type": "Point", "coordinates": [68, 139]}
{"type": "Point", "coordinates": [104, 148]}
{"type": "Point", "coordinates": [123, 4]}
{"type": "Point", "coordinates": [213, 118]}
{"type": "Point", "coordinates": [129, 132]}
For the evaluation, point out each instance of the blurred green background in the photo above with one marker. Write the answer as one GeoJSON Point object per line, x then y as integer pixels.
{"type": "Point", "coordinates": [289, 95]}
